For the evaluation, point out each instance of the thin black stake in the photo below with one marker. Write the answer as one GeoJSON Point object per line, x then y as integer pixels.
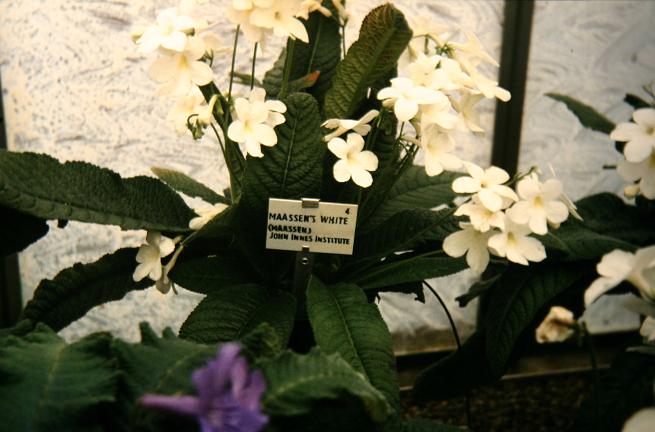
{"type": "Point", "coordinates": [254, 61]}
{"type": "Point", "coordinates": [453, 327]}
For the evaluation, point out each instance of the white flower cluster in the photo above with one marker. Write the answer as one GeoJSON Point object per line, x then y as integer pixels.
{"type": "Point", "coordinates": [636, 268]}
{"type": "Point", "coordinates": [639, 152]}
{"type": "Point", "coordinates": [184, 48]}
{"type": "Point", "coordinates": [258, 18]}
{"type": "Point", "coordinates": [440, 95]}
{"type": "Point", "coordinates": [501, 220]}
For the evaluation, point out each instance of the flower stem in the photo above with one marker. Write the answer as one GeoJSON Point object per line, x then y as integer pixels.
{"type": "Point", "coordinates": [453, 327]}
{"type": "Point", "coordinates": [288, 64]}
{"type": "Point", "coordinates": [254, 60]}
{"type": "Point", "coordinates": [234, 58]}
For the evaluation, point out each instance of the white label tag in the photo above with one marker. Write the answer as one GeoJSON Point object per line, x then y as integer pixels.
{"type": "Point", "coordinates": [328, 228]}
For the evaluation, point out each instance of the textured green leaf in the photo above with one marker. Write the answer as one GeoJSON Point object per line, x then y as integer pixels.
{"type": "Point", "coordinates": [383, 37]}
{"type": "Point", "coordinates": [518, 295]}
{"type": "Point", "coordinates": [408, 270]}
{"type": "Point", "coordinates": [188, 186]}
{"type": "Point", "coordinates": [295, 383]}
{"type": "Point", "coordinates": [74, 291]}
{"type": "Point", "coordinates": [291, 169]}
{"type": "Point", "coordinates": [230, 313]}
{"type": "Point", "coordinates": [19, 230]}
{"type": "Point", "coordinates": [414, 189]}
{"type": "Point", "coordinates": [344, 322]}
{"type": "Point", "coordinates": [43, 187]}
{"type": "Point", "coordinates": [46, 385]}
{"type": "Point", "coordinates": [588, 117]}
{"type": "Point", "coordinates": [262, 343]}
{"type": "Point", "coordinates": [210, 274]}
{"type": "Point", "coordinates": [160, 365]}
{"type": "Point", "coordinates": [322, 54]}
{"type": "Point", "coordinates": [403, 231]}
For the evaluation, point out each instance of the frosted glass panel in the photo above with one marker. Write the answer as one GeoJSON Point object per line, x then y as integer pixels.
{"type": "Point", "coordinates": [595, 51]}
{"type": "Point", "coordinates": [75, 88]}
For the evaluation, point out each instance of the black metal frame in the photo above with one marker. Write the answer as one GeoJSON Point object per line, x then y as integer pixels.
{"type": "Point", "coordinates": [10, 289]}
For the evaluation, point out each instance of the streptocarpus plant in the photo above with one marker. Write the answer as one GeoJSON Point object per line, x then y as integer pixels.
{"type": "Point", "coordinates": [340, 126]}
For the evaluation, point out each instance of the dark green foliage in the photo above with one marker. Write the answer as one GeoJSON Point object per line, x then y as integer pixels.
{"type": "Point", "coordinates": [345, 323]}
{"type": "Point", "coordinates": [588, 117]}
{"type": "Point", "coordinates": [188, 186]}
{"type": "Point", "coordinates": [232, 312]}
{"type": "Point", "coordinates": [43, 187]}
{"type": "Point", "coordinates": [210, 274]}
{"type": "Point", "coordinates": [626, 388]}
{"type": "Point", "coordinates": [383, 37]}
{"type": "Point", "coordinates": [74, 291]}
{"type": "Point", "coordinates": [50, 386]}
{"type": "Point", "coordinates": [19, 230]}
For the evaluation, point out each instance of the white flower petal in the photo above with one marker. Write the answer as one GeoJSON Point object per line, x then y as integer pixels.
{"type": "Point", "coordinates": [361, 177]}
{"type": "Point", "coordinates": [644, 117]}
{"type": "Point", "coordinates": [339, 148]}
{"type": "Point", "coordinates": [466, 185]}
{"type": "Point", "coordinates": [341, 171]}
{"type": "Point", "coordinates": [405, 109]}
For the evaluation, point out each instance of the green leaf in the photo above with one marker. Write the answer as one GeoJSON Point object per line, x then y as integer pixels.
{"type": "Point", "coordinates": [345, 323]}
{"type": "Point", "coordinates": [159, 365]}
{"type": "Point", "coordinates": [322, 54]}
{"type": "Point", "coordinates": [635, 101]}
{"type": "Point", "coordinates": [403, 231]}
{"type": "Point", "coordinates": [46, 385]}
{"type": "Point", "coordinates": [625, 389]}
{"type": "Point", "coordinates": [188, 186]}
{"type": "Point", "coordinates": [262, 343]}
{"type": "Point", "coordinates": [43, 187]}
{"type": "Point", "coordinates": [414, 189]}
{"type": "Point", "coordinates": [210, 274]}
{"type": "Point", "coordinates": [74, 291]}
{"type": "Point", "coordinates": [408, 270]}
{"type": "Point", "coordinates": [296, 383]}
{"type": "Point", "coordinates": [517, 297]}
{"type": "Point", "coordinates": [419, 425]}
{"type": "Point", "coordinates": [291, 169]}
{"type": "Point", "coordinates": [230, 313]}
{"type": "Point", "coordinates": [383, 37]}
{"type": "Point", "coordinates": [19, 230]}
{"type": "Point", "coordinates": [588, 117]}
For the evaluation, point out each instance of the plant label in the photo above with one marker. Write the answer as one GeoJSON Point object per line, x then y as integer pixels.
{"type": "Point", "coordinates": [323, 227]}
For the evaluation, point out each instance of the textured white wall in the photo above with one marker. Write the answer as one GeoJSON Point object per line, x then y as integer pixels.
{"type": "Point", "coordinates": [595, 51]}
{"type": "Point", "coordinates": [74, 87]}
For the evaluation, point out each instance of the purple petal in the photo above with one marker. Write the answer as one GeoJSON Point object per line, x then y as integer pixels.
{"type": "Point", "coordinates": [233, 418]}
{"type": "Point", "coordinates": [211, 381]}
{"type": "Point", "coordinates": [187, 405]}
{"type": "Point", "coordinates": [250, 397]}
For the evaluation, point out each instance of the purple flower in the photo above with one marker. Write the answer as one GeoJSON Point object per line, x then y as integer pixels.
{"type": "Point", "coordinates": [228, 395]}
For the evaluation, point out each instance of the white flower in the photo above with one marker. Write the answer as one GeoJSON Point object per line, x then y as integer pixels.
{"type": "Point", "coordinates": [642, 421]}
{"type": "Point", "coordinates": [568, 202]}
{"type": "Point", "coordinates": [473, 48]}
{"type": "Point", "coordinates": [181, 71]}
{"type": "Point", "coordinates": [281, 18]}
{"type": "Point", "coordinates": [191, 108]}
{"type": "Point", "coordinates": [439, 113]}
{"type": "Point", "coordinates": [309, 6]}
{"type": "Point", "coordinates": [647, 329]}
{"type": "Point", "coordinates": [170, 32]}
{"type": "Point", "coordinates": [471, 242]}
{"type": "Point", "coordinates": [481, 217]}
{"type": "Point", "coordinates": [540, 204]}
{"type": "Point", "coordinates": [438, 145]}
{"type": "Point", "coordinates": [255, 120]}
{"type": "Point", "coordinates": [488, 87]}
{"type": "Point", "coordinates": [206, 212]}
{"type": "Point", "coordinates": [354, 162]}
{"type": "Point", "coordinates": [639, 136]}
{"type": "Point", "coordinates": [240, 12]}
{"type": "Point", "coordinates": [469, 117]}
{"type": "Point", "coordinates": [360, 126]}
{"type": "Point", "coordinates": [488, 184]}
{"type": "Point", "coordinates": [618, 266]}
{"type": "Point", "coordinates": [422, 70]}
{"type": "Point", "coordinates": [557, 326]}
{"type": "Point", "coordinates": [405, 97]}
{"type": "Point", "coordinates": [515, 244]}
{"type": "Point", "coordinates": [643, 171]}
{"type": "Point", "coordinates": [150, 255]}
{"type": "Point", "coordinates": [450, 76]}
